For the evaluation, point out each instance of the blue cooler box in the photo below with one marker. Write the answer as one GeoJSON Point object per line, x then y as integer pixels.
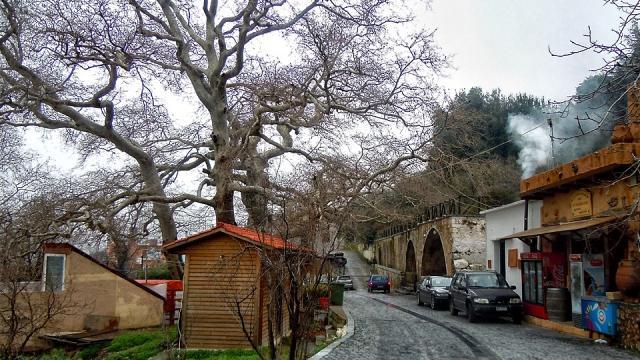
{"type": "Point", "coordinates": [600, 314]}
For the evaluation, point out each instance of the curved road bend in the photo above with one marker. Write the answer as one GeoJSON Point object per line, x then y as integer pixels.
{"type": "Point", "coordinates": [392, 326]}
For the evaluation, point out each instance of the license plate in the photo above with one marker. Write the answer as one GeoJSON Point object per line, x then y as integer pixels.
{"type": "Point", "coordinates": [501, 308]}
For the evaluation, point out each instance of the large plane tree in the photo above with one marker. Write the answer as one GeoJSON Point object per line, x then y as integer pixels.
{"type": "Point", "coordinates": [340, 87]}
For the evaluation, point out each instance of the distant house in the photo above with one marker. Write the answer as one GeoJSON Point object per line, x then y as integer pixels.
{"type": "Point", "coordinates": [503, 255]}
{"type": "Point", "coordinates": [103, 299]}
{"type": "Point", "coordinates": [226, 296]}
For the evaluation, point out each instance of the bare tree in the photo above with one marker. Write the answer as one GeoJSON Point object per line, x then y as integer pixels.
{"type": "Point", "coordinates": [600, 101]}
{"type": "Point", "coordinates": [25, 309]}
{"type": "Point", "coordinates": [92, 71]}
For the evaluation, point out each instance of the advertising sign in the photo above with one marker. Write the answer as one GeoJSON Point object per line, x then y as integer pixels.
{"type": "Point", "coordinates": [599, 315]}
{"type": "Point", "coordinates": [576, 283]}
{"type": "Point", "coordinates": [593, 274]}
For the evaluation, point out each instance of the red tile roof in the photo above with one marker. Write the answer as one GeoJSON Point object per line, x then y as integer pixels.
{"type": "Point", "coordinates": [247, 234]}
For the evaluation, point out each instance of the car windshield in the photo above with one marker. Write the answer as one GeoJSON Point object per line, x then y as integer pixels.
{"type": "Point", "coordinates": [488, 280]}
{"type": "Point", "coordinates": [440, 281]}
{"type": "Point", "coordinates": [378, 278]}
{"type": "Point", "coordinates": [344, 277]}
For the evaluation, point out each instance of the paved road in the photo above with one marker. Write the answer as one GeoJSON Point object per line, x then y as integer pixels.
{"type": "Point", "coordinates": [392, 326]}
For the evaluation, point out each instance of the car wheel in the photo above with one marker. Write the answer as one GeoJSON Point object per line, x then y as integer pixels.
{"type": "Point", "coordinates": [517, 318]}
{"type": "Point", "coordinates": [471, 315]}
{"type": "Point", "coordinates": [452, 309]}
{"type": "Point", "coordinates": [420, 303]}
{"type": "Point", "coordinates": [433, 302]}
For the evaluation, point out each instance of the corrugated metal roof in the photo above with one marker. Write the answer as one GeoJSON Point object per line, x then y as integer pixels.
{"type": "Point", "coordinates": [570, 226]}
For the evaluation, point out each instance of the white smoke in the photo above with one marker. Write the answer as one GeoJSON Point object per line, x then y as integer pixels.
{"type": "Point", "coordinates": [572, 139]}
{"type": "Point", "coordinates": [579, 128]}
{"type": "Point", "coordinates": [535, 145]}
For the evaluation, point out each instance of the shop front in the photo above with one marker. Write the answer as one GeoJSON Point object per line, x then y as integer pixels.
{"type": "Point", "coordinates": [569, 261]}
{"type": "Point", "coordinates": [582, 266]}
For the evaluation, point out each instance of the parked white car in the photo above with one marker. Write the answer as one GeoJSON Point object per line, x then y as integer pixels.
{"type": "Point", "coordinates": [346, 280]}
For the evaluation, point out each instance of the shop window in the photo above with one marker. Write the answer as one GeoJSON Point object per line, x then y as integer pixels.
{"type": "Point", "coordinates": [53, 272]}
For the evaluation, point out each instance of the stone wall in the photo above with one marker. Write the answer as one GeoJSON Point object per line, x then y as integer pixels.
{"type": "Point", "coordinates": [629, 325]}
{"type": "Point", "coordinates": [462, 238]}
{"type": "Point", "coordinates": [469, 244]}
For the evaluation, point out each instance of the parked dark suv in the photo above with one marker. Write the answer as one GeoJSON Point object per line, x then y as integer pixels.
{"type": "Point", "coordinates": [483, 293]}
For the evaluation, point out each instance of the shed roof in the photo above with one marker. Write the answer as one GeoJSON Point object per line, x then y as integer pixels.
{"type": "Point", "coordinates": [57, 248]}
{"type": "Point", "coordinates": [250, 235]}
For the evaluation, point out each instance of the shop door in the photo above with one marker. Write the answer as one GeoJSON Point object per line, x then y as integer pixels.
{"type": "Point", "coordinates": [532, 291]}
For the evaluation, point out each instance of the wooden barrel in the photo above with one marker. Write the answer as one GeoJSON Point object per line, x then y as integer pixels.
{"type": "Point", "coordinates": [558, 301]}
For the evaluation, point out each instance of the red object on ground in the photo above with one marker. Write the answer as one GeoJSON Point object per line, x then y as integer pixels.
{"type": "Point", "coordinates": [324, 302]}
{"type": "Point", "coordinates": [173, 286]}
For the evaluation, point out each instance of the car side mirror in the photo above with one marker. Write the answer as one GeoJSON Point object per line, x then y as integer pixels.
{"type": "Point", "coordinates": [513, 287]}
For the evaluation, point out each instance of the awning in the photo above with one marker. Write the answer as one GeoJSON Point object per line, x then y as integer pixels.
{"type": "Point", "coordinates": [570, 226]}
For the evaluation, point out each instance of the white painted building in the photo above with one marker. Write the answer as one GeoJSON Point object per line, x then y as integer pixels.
{"type": "Point", "coordinates": [503, 221]}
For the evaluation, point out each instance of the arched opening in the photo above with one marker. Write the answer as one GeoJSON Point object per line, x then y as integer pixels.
{"type": "Point", "coordinates": [433, 262]}
{"type": "Point", "coordinates": [410, 276]}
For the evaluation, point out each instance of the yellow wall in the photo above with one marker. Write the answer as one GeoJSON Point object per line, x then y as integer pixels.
{"type": "Point", "coordinates": [91, 289]}
{"type": "Point", "coordinates": [110, 295]}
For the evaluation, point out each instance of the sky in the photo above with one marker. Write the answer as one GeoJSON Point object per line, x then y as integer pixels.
{"type": "Point", "coordinates": [493, 44]}
{"type": "Point", "coordinates": [504, 43]}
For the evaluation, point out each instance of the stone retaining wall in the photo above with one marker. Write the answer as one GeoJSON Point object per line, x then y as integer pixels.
{"type": "Point", "coordinates": [629, 325]}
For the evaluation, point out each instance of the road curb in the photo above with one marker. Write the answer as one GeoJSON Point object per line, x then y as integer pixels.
{"type": "Point", "coordinates": [350, 329]}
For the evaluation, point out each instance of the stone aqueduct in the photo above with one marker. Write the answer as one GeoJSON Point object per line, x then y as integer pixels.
{"type": "Point", "coordinates": [435, 247]}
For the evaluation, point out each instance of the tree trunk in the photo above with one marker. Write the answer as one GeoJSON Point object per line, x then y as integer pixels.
{"type": "Point", "coordinates": [255, 202]}
{"type": "Point", "coordinates": [163, 212]}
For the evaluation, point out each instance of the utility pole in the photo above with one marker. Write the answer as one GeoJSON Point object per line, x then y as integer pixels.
{"type": "Point", "coordinates": [553, 155]}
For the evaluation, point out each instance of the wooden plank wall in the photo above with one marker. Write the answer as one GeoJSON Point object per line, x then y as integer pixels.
{"type": "Point", "coordinates": [265, 313]}
{"type": "Point", "coordinates": [219, 274]}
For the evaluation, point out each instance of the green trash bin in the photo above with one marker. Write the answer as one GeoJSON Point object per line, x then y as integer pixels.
{"type": "Point", "coordinates": [337, 294]}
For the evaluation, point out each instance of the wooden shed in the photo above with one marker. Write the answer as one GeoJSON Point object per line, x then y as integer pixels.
{"type": "Point", "coordinates": [226, 296]}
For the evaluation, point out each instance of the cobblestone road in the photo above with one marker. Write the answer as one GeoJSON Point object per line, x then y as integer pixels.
{"type": "Point", "coordinates": [392, 326]}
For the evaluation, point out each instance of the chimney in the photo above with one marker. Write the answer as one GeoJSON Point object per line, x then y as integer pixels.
{"type": "Point", "coordinates": [633, 103]}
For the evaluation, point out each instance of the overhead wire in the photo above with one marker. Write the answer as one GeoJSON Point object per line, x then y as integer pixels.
{"type": "Point", "coordinates": [483, 151]}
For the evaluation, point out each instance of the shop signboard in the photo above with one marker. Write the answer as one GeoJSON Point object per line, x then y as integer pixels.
{"type": "Point", "coordinates": [599, 314]}
{"type": "Point", "coordinates": [580, 203]}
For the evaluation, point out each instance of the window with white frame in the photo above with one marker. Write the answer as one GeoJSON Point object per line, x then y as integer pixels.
{"type": "Point", "coordinates": [53, 272]}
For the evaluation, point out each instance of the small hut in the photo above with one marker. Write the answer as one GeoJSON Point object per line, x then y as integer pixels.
{"type": "Point", "coordinates": [227, 297]}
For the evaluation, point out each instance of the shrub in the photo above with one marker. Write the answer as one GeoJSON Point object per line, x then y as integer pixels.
{"type": "Point", "coordinates": [91, 351]}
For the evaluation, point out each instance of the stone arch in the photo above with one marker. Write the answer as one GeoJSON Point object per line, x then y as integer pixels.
{"type": "Point", "coordinates": [433, 259]}
{"type": "Point", "coordinates": [410, 265]}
